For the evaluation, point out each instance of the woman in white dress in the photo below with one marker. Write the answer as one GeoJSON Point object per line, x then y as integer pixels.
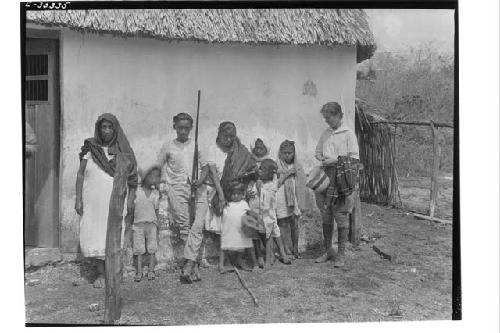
{"type": "Point", "coordinates": [94, 185]}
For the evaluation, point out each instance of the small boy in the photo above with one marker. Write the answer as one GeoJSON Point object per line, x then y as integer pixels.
{"type": "Point", "coordinates": [264, 208]}
{"type": "Point", "coordinates": [145, 231]}
{"type": "Point", "coordinates": [233, 241]}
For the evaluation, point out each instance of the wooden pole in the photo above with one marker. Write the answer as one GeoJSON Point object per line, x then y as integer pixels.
{"type": "Point", "coordinates": [433, 219]}
{"type": "Point", "coordinates": [413, 123]}
{"type": "Point", "coordinates": [114, 263]}
{"type": "Point", "coordinates": [243, 283]}
{"type": "Point", "coordinates": [435, 170]}
{"type": "Point", "coordinates": [355, 220]}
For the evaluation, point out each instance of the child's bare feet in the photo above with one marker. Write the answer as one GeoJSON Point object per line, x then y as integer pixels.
{"type": "Point", "coordinates": [226, 269]}
{"type": "Point", "coordinates": [100, 282]}
{"type": "Point", "coordinates": [246, 268]}
{"type": "Point", "coordinates": [284, 259]}
{"type": "Point", "coordinates": [196, 276]}
{"type": "Point", "coordinates": [151, 275]}
{"type": "Point", "coordinates": [204, 263]}
{"type": "Point", "coordinates": [138, 277]}
{"type": "Point", "coordinates": [261, 262]}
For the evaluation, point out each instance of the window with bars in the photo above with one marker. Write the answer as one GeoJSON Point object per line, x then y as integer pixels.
{"type": "Point", "coordinates": [37, 77]}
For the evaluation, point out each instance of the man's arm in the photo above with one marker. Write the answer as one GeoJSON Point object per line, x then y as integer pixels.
{"type": "Point", "coordinates": [203, 175]}
{"type": "Point", "coordinates": [216, 181]}
{"type": "Point", "coordinates": [318, 154]}
{"type": "Point", "coordinates": [162, 157]}
{"type": "Point", "coordinates": [352, 145]}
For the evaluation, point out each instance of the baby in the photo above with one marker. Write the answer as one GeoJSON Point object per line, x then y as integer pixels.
{"type": "Point", "coordinates": [144, 228]}
{"type": "Point", "coordinates": [233, 241]}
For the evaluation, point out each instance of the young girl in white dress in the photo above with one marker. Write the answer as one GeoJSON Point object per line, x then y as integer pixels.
{"type": "Point", "coordinates": [233, 241]}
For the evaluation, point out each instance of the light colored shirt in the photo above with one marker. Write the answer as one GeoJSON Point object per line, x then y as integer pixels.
{"type": "Point", "coordinates": [145, 207]}
{"type": "Point", "coordinates": [282, 209]}
{"type": "Point", "coordinates": [267, 208]}
{"type": "Point", "coordinates": [106, 153]}
{"type": "Point", "coordinates": [339, 142]}
{"type": "Point", "coordinates": [176, 160]}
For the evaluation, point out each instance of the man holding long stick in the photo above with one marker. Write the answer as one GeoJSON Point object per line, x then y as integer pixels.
{"type": "Point", "coordinates": [177, 158]}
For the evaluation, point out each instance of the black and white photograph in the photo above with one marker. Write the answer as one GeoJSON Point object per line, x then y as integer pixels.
{"type": "Point", "coordinates": [238, 163]}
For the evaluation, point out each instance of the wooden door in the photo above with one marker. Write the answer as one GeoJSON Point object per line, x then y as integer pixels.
{"type": "Point", "coordinates": [41, 224]}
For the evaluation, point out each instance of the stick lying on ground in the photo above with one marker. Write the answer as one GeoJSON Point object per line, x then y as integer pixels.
{"type": "Point", "coordinates": [433, 219]}
{"type": "Point", "coordinates": [243, 283]}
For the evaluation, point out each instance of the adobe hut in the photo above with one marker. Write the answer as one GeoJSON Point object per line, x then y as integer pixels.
{"type": "Point", "coordinates": [268, 70]}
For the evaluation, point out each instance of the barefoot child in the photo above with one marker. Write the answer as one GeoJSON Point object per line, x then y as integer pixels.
{"type": "Point", "coordinates": [233, 241]}
{"type": "Point", "coordinates": [145, 232]}
{"type": "Point", "coordinates": [291, 194]}
{"type": "Point", "coordinates": [264, 208]}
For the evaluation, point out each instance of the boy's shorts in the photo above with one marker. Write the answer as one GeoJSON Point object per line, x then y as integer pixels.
{"type": "Point", "coordinates": [145, 237]}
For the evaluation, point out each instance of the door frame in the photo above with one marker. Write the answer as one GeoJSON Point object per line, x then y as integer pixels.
{"type": "Point", "coordinates": [44, 33]}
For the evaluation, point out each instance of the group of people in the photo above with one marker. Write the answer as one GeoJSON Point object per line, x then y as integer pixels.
{"type": "Point", "coordinates": [248, 198]}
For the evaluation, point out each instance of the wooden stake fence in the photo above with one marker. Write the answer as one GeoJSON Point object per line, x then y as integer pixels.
{"type": "Point", "coordinates": [379, 180]}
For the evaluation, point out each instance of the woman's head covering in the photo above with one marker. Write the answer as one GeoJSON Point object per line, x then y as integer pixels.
{"type": "Point", "coordinates": [226, 128]}
{"type": "Point", "coordinates": [118, 145]}
{"type": "Point", "coordinates": [260, 144]}
{"type": "Point", "coordinates": [239, 165]}
{"type": "Point", "coordinates": [286, 145]}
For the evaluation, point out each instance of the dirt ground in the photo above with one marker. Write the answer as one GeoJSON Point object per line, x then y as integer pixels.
{"type": "Point", "coordinates": [415, 284]}
{"type": "Point", "coordinates": [415, 195]}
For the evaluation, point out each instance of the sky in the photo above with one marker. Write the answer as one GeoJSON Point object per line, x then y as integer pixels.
{"type": "Point", "coordinates": [398, 29]}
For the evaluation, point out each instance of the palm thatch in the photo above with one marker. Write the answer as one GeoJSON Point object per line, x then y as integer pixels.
{"type": "Point", "coordinates": [329, 27]}
{"type": "Point", "coordinates": [377, 149]}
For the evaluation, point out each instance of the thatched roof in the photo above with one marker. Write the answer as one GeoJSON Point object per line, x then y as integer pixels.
{"type": "Point", "coordinates": [329, 27]}
{"type": "Point", "coordinates": [369, 110]}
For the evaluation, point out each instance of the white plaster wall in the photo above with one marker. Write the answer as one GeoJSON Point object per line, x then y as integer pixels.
{"type": "Point", "coordinates": [145, 82]}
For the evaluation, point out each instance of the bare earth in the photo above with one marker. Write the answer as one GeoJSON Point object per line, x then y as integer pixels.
{"type": "Point", "coordinates": [414, 285]}
{"type": "Point", "coordinates": [415, 195]}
